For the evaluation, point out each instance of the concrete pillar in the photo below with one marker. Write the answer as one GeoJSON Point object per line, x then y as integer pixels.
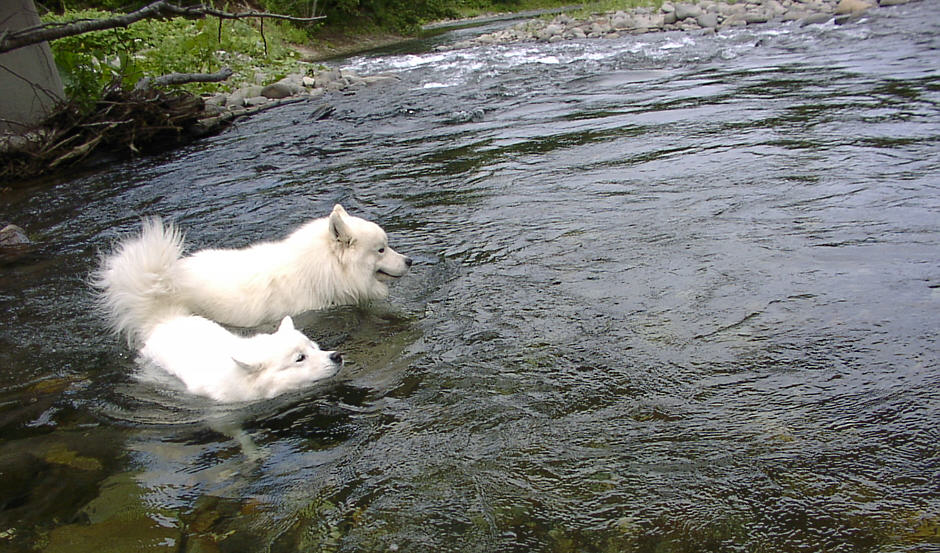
{"type": "Point", "coordinates": [30, 85]}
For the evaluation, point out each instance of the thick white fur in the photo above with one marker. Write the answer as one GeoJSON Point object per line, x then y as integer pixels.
{"type": "Point", "coordinates": [334, 260]}
{"type": "Point", "coordinates": [138, 293]}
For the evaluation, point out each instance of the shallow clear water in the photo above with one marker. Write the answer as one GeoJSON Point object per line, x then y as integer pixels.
{"type": "Point", "coordinates": [671, 293]}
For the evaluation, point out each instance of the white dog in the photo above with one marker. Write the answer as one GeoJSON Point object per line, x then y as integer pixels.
{"type": "Point", "coordinates": [335, 260]}
{"type": "Point", "coordinates": [141, 300]}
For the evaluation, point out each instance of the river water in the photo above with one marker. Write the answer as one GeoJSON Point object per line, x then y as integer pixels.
{"type": "Point", "coordinates": [671, 292]}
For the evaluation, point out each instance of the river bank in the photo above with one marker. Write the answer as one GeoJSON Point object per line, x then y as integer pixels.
{"type": "Point", "coordinates": [317, 75]}
{"type": "Point", "coordinates": [705, 16]}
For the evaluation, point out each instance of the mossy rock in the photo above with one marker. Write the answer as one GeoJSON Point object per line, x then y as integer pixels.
{"type": "Point", "coordinates": [142, 535]}
{"type": "Point", "coordinates": [119, 520]}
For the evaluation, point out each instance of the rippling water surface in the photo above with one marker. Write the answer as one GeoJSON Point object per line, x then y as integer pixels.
{"type": "Point", "coordinates": [671, 293]}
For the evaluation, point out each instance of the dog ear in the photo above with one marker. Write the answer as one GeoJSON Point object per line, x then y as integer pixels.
{"type": "Point", "coordinates": [287, 324]}
{"type": "Point", "coordinates": [247, 367]}
{"type": "Point", "coordinates": [338, 227]}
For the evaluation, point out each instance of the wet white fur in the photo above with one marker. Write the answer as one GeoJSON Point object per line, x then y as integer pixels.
{"type": "Point", "coordinates": [139, 297]}
{"type": "Point", "coordinates": [334, 260]}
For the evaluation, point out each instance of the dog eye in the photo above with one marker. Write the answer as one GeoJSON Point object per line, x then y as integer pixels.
{"type": "Point", "coordinates": [382, 250]}
{"type": "Point", "coordinates": [300, 358]}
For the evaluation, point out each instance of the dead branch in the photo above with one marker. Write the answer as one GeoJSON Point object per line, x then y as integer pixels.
{"type": "Point", "coordinates": [156, 10]}
{"type": "Point", "coordinates": [183, 78]}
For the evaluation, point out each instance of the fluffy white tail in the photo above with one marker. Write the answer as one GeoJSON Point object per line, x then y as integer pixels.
{"type": "Point", "coordinates": [135, 281]}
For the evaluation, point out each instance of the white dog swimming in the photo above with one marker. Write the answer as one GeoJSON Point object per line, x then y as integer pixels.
{"type": "Point", "coordinates": [335, 260]}
{"type": "Point", "coordinates": [142, 302]}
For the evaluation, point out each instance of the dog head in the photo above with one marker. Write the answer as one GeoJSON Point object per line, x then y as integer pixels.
{"type": "Point", "coordinates": [286, 360]}
{"type": "Point", "coordinates": [365, 250]}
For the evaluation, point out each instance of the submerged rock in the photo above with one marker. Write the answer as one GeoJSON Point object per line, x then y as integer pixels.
{"type": "Point", "coordinates": [12, 236]}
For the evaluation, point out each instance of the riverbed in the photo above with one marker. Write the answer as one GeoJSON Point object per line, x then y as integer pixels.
{"type": "Point", "coordinates": [671, 292]}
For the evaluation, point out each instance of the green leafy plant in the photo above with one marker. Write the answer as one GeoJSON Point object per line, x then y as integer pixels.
{"type": "Point", "coordinates": [91, 62]}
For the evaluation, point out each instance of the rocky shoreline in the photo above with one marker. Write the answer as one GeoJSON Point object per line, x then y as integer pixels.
{"type": "Point", "coordinates": [220, 108]}
{"type": "Point", "coordinates": [705, 16]}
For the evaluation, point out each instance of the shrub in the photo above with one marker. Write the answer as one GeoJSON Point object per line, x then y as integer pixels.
{"type": "Point", "coordinates": [91, 62]}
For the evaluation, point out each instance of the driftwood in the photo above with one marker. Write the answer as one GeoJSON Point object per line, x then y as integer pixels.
{"type": "Point", "coordinates": [52, 31]}
{"type": "Point", "coordinates": [121, 124]}
{"type": "Point", "coordinates": [183, 78]}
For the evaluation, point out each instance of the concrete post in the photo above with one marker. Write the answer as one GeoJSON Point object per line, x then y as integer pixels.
{"type": "Point", "coordinates": [30, 85]}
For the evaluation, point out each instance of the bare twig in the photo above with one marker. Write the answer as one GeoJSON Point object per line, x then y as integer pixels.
{"type": "Point", "coordinates": [52, 31]}
{"type": "Point", "coordinates": [182, 78]}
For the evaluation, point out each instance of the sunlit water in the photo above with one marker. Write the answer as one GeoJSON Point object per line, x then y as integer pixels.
{"type": "Point", "coordinates": [671, 293]}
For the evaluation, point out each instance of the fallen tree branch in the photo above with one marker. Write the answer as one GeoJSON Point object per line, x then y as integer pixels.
{"type": "Point", "coordinates": [156, 10]}
{"type": "Point", "coordinates": [183, 78]}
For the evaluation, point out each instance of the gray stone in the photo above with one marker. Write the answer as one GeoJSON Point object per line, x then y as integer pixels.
{"type": "Point", "coordinates": [776, 8]}
{"type": "Point", "coordinates": [277, 91]}
{"type": "Point", "coordinates": [622, 22]}
{"type": "Point", "coordinates": [550, 31]}
{"type": "Point", "coordinates": [795, 14]}
{"type": "Point", "coordinates": [816, 19]}
{"type": "Point", "coordinates": [652, 22]}
{"type": "Point", "coordinates": [323, 78]}
{"type": "Point", "coordinates": [256, 101]}
{"type": "Point", "coordinates": [12, 236]}
{"type": "Point", "coordinates": [686, 11]}
{"type": "Point", "coordinates": [600, 28]}
{"type": "Point", "coordinates": [707, 20]}
{"type": "Point", "coordinates": [756, 17]}
{"type": "Point", "coordinates": [237, 98]}
{"type": "Point", "coordinates": [846, 7]}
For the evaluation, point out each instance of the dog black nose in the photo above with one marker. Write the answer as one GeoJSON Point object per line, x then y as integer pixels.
{"type": "Point", "coordinates": [336, 357]}
{"type": "Point", "coordinates": [408, 261]}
